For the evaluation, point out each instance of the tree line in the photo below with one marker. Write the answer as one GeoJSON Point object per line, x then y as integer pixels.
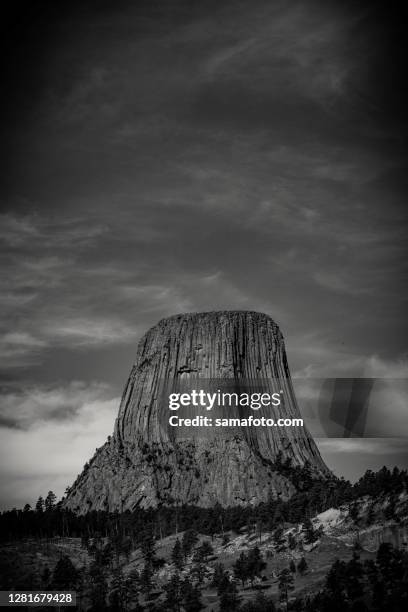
{"type": "Point", "coordinates": [50, 519]}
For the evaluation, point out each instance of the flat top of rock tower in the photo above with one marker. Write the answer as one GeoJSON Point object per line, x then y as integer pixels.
{"type": "Point", "coordinates": [216, 314]}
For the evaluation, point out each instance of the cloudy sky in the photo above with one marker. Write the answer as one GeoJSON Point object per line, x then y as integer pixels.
{"type": "Point", "coordinates": [162, 157]}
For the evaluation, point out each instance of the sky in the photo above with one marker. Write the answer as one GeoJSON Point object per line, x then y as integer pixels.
{"type": "Point", "coordinates": [165, 157]}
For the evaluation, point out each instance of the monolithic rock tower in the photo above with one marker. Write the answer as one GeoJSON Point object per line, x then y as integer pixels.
{"type": "Point", "coordinates": [145, 464]}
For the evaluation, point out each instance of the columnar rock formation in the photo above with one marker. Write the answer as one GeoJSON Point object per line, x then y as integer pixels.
{"type": "Point", "coordinates": [146, 463]}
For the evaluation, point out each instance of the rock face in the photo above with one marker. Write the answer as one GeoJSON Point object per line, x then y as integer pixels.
{"type": "Point", "coordinates": [145, 464]}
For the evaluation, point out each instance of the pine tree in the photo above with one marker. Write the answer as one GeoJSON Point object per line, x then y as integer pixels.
{"type": "Point", "coordinates": [46, 576]}
{"type": "Point", "coordinates": [65, 574]}
{"type": "Point", "coordinates": [387, 560]}
{"type": "Point", "coordinates": [147, 546]}
{"type": "Point", "coordinates": [389, 511]}
{"type": "Point", "coordinates": [188, 542]}
{"type": "Point", "coordinates": [177, 555]}
{"type": "Point", "coordinates": [132, 589]}
{"type": "Point", "coordinates": [199, 572]}
{"type": "Point", "coordinates": [292, 541]}
{"type": "Point", "coordinates": [292, 567]}
{"type": "Point", "coordinates": [228, 594]}
{"type": "Point", "coordinates": [240, 568]}
{"type": "Point", "coordinates": [191, 597]}
{"type": "Point", "coordinates": [302, 566]}
{"type": "Point", "coordinates": [117, 594]}
{"type": "Point", "coordinates": [370, 514]}
{"type": "Point", "coordinates": [336, 583]}
{"type": "Point", "coordinates": [80, 588]}
{"type": "Point", "coordinates": [98, 588]}
{"type": "Point", "coordinates": [311, 534]}
{"type": "Point", "coordinates": [279, 539]}
{"type": "Point", "coordinates": [146, 577]}
{"type": "Point", "coordinates": [50, 501]}
{"type": "Point", "coordinates": [219, 573]}
{"type": "Point", "coordinates": [173, 594]}
{"type": "Point", "coordinates": [39, 506]}
{"type": "Point", "coordinates": [256, 564]}
{"type": "Point", "coordinates": [285, 585]}
{"type": "Point", "coordinates": [354, 577]}
{"type": "Point", "coordinates": [353, 512]}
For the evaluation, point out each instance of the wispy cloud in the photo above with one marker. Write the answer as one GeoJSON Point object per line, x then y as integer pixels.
{"type": "Point", "coordinates": [338, 282]}
{"type": "Point", "coordinates": [377, 366]}
{"type": "Point", "coordinates": [30, 230]}
{"type": "Point", "coordinates": [77, 332]}
{"type": "Point", "coordinates": [312, 49]}
{"type": "Point", "coordinates": [20, 347]}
